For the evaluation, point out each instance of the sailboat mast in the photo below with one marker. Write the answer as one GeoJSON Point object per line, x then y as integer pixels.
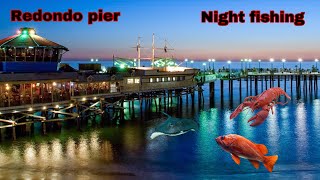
{"type": "Point", "coordinates": [153, 49]}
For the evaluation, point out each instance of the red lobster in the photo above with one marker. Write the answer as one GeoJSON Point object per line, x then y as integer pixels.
{"type": "Point", "coordinates": [266, 100]}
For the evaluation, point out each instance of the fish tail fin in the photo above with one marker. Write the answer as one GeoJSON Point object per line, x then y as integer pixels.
{"type": "Point", "coordinates": [269, 162]}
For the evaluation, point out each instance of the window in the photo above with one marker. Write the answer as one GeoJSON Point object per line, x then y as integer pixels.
{"type": "Point", "coordinates": [174, 79]}
{"type": "Point", "coordinates": [169, 78]}
{"type": "Point", "coordinates": [130, 81]}
{"type": "Point", "coordinates": [137, 80]}
{"type": "Point", "coordinates": [158, 79]}
{"type": "Point", "coordinates": [151, 80]}
{"type": "Point", "coordinates": [163, 79]}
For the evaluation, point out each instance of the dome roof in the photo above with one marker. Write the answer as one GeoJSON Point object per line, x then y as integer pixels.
{"type": "Point", "coordinates": [26, 37]}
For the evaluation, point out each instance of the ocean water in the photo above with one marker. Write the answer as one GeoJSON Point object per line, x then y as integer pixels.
{"type": "Point", "coordinates": [125, 150]}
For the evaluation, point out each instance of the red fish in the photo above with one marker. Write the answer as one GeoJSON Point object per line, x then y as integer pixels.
{"type": "Point", "coordinates": [239, 146]}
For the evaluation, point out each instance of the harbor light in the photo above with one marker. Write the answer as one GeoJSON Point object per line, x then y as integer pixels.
{"type": "Point", "coordinates": [316, 60]}
{"type": "Point", "coordinates": [30, 109]}
{"type": "Point", "coordinates": [84, 99]}
{"type": "Point", "coordinates": [97, 60]}
{"type": "Point", "coordinates": [92, 60]}
{"type": "Point", "coordinates": [94, 98]}
{"type": "Point", "coordinates": [209, 63]}
{"type": "Point", "coordinates": [229, 62]}
{"type": "Point", "coordinates": [44, 107]}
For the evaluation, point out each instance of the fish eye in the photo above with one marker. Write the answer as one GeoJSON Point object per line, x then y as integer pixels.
{"type": "Point", "coordinates": [222, 137]}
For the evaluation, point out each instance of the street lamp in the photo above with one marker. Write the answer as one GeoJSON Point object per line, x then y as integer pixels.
{"type": "Point", "coordinates": [229, 63]}
{"type": "Point", "coordinates": [271, 60]}
{"type": "Point", "coordinates": [283, 61]}
{"type": "Point", "coordinates": [300, 61]}
{"type": "Point", "coordinates": [92, 60]}
{"type": "Point", "coordinates": [209, 63]}
{"type": "Point", "coordinates": [250, 60]}
{"type": "Point", "coordinates": [214, 61]}
{"type": "Point", "coordinates": [245, 64]}
{"type": "Point", "coordinates": [241, 64]}
{"type": "Point", "coordinates": [316, 60]}
{"type": "Point", "coordinates": [259, 64]}
{"type": "Point", "coordinates": [186, 60]}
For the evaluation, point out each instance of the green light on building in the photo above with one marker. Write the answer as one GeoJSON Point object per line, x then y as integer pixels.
{"type": "Point", "coordinates": [25, 32]}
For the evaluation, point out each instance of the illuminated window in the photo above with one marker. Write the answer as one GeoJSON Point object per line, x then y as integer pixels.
{"type": "Point", "coordinates": [151, 80]}
{"type": "Point", "coordinates": [158, 79]}
{"type": "Point", "coordinates": [137, 81]}
{"type": "Point", "coordinates": [163, 79]}
{"type": "Point", "coordinates": [174, 79]}
{"type": "Point", "coordinates": [130, 81]}
{"type": "Point", "coordinates": [169, 78]}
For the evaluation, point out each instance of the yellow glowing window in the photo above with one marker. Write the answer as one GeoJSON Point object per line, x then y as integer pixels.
{"type": "Point", "coordinates": [163, 79]}
{"type": "Point", "coordinates": [158, 79]}
{"type": "Point", "coordinates": [174, 79]}
{"type": "Point", "coordinates": [169, 78]}
{"type": "Point", "coordinates": [137, 81]}
{"type": "Point", "coordinates": [151, 80]}
{"type": "Point", "coordinates": [130, 81]}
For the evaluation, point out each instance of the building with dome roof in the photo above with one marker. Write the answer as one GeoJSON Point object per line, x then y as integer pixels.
{"type": "Point", "coordinates": [28, 52]}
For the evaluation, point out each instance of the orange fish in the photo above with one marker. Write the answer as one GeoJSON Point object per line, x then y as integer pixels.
{"type": "Point", "coordinates": [239, 146]}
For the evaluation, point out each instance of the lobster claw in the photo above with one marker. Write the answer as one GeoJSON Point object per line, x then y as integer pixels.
{"type": "Point", "coordinates": [239, 109]}
{"type": "Point", "coordinates": [259, 118]}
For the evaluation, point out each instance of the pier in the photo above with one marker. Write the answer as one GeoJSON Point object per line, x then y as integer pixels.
{"type": "Point", "coordinates": [35, 88]}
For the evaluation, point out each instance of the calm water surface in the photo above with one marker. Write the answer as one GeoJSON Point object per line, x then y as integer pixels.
{"type": "Point", "coordinates": [125, 151]}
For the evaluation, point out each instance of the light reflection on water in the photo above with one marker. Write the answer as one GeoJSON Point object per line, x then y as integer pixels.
{"type": "Point", "coordinates": [292, 132]}
{"type": "Point", "coordinates": [301, 132]}
{"type": "Point", "coordinates": [273, 130]}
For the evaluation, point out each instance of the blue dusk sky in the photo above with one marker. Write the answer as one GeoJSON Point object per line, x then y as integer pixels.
{"type": "Point", "coordinates": [178, 21]}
